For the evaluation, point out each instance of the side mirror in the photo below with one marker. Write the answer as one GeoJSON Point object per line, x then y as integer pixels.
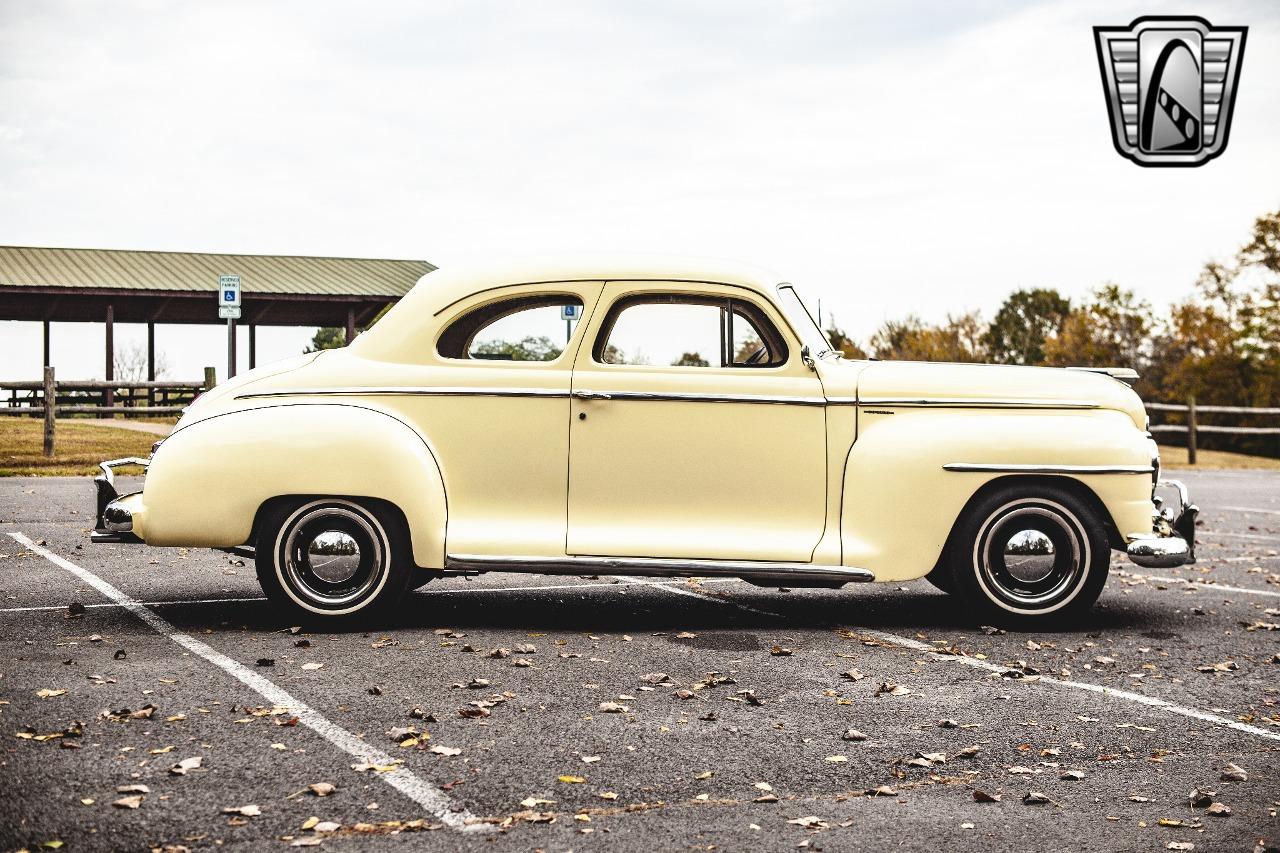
{"type": "Point", "coordinates": [807, 357]}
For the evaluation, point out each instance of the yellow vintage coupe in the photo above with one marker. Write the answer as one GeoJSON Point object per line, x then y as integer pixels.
{"type": "Point", "coordinates": [669, 418]}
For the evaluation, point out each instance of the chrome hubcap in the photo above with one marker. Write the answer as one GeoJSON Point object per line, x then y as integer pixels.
{"type": "Point", "coordinates": [1031, 556]}
{"type": "Point", "coordinates": [332, 556]}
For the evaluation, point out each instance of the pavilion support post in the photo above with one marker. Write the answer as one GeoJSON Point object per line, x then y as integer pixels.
{"type": "Point", "coordinates": [351, 324]}
{"type": "Point", "coordinates": [151, 362]}
{"type": "Point", "coordinates": [47, 360]}
{"type": "Point", "coordinates": [50, 410]}
{"type": "Point", "coordinates": [210, 377]}
{"type": "Point", "coordinates": [111, 356]}
{"type": "Point", "coordinates": [253, 346]}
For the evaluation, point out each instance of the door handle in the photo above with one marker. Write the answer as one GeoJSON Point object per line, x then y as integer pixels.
{"type": "Point", "coordinates": [592, 395]}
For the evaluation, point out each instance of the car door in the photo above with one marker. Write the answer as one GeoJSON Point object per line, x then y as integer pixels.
{"type": "Point", "coordinates": [697, 431]}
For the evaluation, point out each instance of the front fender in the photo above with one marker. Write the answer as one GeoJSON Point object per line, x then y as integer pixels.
{"type": "Point", "coordinates": [900, 505]}
{"type": "Point", "coordinates": [207, 480]}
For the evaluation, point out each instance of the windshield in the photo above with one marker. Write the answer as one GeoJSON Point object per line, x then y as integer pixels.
{"type": "Point", "coordinates": [810, 332]}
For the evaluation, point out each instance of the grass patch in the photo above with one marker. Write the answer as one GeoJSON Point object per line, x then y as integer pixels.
{"type": "Point", "coordinates": [1216, 460]}
{"type": "Point", "coordinates": [78, 448]}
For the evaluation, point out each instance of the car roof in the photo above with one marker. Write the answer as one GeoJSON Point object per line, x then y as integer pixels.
{"type": "Point", "coordinates": [441, 288]}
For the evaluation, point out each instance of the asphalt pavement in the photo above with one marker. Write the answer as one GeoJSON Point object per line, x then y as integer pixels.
{"type": "Point", "coordinates": [520, 712]}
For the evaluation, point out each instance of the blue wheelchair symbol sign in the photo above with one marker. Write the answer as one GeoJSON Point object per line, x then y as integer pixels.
{"type": "Point", "coordinates": [228, 296]}
{"type": "Point", "coordinates": [570, 312]}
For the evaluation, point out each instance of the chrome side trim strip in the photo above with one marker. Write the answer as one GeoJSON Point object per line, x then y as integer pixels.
{"type": "Point", "coordinates": [407, 391]}
{"type": "Point", "coordinates": [428, 391]}
{"type": "Point", "coordinates": [976, 403]}
{"type": "Point", "coordinates": [698, 398]}
{"type": "Point", "coordinates": [1000, 467]}
{"type": "Point", "coordinates": [656, 566]}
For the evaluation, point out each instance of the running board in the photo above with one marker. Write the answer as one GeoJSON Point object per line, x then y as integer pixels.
{"type": "Point", "coordinates": [783, 573]}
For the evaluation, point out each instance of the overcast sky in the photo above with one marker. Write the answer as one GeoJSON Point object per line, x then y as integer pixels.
{"type": "Point", "coordinates": [888, 158]}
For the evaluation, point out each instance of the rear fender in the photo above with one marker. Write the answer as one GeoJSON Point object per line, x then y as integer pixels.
{"type": "Point", "coordinates": [208, 480]}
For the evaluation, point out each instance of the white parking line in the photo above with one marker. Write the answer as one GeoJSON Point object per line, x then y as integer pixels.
{"type": "Point", "coordinates": [111, 604]}
{"type": "Point", "coordinates": [403, 780]}
{"type": "Point", "coordinates": [1251, 509]}
{"type": "Point", "coordinates": [1200, 585]}
{"type": "Point", "coordinates": [1210, 534]}
{"type": "Point", "coordinates": [584, 585]}
{"type": "Point", "coordinates": [916, 645]}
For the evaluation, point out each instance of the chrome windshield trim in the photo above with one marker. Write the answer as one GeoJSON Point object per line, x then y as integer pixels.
{"type": "Point", "coordinates": [659, 566]}
{"type": "Point", "coordinates": [979, 403]}
{"type": "Point", "coordinates": [406, 391]}
{"type": "Point", "coordinates": [1001, 467]}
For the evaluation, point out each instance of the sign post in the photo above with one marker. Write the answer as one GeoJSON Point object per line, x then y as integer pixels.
{"type": "Point", "coordinates": [570, 313]}
{"type": "Point", "coordinates": [229, 308]}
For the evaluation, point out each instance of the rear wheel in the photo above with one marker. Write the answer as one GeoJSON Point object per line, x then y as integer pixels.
{"type": "Point", "coordinates": [333, 560]}
{"type": "Point", "coordinates": [1025, 557]}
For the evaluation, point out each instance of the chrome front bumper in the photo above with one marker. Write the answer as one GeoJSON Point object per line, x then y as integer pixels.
{"type": "Point", "coordinates": [1172, 540]}
{"type": "Point", "coordinates": [114, 519]}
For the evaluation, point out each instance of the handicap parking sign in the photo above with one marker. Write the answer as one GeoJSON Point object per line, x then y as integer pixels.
{"type": "Point", "coordinates": [570, 312]}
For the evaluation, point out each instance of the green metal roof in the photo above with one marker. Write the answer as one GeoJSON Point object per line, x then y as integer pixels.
{"type": "Point", "coordinates": [24, 266]}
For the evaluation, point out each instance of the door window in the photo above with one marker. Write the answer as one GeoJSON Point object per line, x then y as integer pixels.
{"type": "Point", "coordinates": [680, 330]}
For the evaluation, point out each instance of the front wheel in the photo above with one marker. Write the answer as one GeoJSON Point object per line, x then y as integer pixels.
{"type": "Point", "coordinates": [1025, 557]}
{"type": "Point", "coordinates": [333, 560]}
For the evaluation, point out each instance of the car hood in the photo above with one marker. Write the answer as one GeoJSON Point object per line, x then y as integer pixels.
{"type": "Point", "coordinates": [996, 384]}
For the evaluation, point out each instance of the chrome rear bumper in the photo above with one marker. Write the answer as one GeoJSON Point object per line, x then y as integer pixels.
{"type": "Point", "coordinates": [114, 519]}
{"type": "Point", "coordinates": [1172, 540]}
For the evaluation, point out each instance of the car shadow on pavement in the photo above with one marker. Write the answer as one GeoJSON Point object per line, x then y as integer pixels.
{"type": "Point", "coordinates": [605, 609]}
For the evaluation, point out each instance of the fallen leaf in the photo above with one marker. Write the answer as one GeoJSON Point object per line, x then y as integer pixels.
{"type": "Point", "coordinates": [613, 708]}
{"type": "Point", "coordinates": [888, 687]}
{"type": "Point", "coordinates": [243, 811]}
{"type": "Point", "coordinates": [128, 802]}
{"type": "Point", "coordinates": [780, 651]}
{"type": "Point", "coordinates": [312, 666]}
{"type": "Point", "coordinates": [446, 750]}
{"type": "Point", "coordinates": [322, 789]}
{"type": "Point", "coordinates": [809, 821]}
{"type": "Point", "coordinates": [883, 791]}
{"type": "Point", "coordinates": [1234, 773]}
{"type": "Point", "coordinates": [572, 780]}
{"type": "Point", "coordinates": [1218, 810]}
{"type": "Point", "coordinates": [853, 734]}
{"type": "Point", "coordinates": [181, 768]}
{"type": "Point", "coordinates": [980, 796]}
{"type": "Point", "coordinates": [47, 693]}
{"type": "Point", "coordinates": [1035, 798]}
